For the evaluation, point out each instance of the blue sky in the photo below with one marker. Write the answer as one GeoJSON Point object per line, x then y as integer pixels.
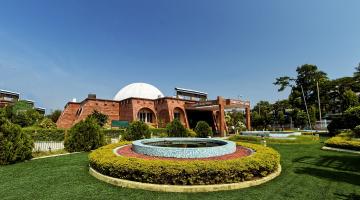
{"type": "Point", "coordinates": [53, 51]}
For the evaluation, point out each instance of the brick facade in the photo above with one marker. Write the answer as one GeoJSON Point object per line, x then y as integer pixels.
{"type": "Point", "coordinates": [163, 111]}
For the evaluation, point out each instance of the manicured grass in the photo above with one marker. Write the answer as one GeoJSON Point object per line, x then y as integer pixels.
{"type": "Point", "coordinates": [308, 173]}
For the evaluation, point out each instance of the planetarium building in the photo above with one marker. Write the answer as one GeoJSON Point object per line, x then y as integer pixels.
{"type": "Point", "coordinates": [145, 102]}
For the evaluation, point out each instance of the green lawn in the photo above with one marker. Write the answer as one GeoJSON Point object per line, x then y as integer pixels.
{"type": "Point", "coordinates": [308, 173]}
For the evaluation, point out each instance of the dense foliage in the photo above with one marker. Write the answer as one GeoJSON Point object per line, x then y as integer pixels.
{"type": "Point", "coordinates": [54, 116]}
{"type": "Point", "coordinates": [176, 129]}
{"type": "Point", "coordinates": [137, 130]}
{"type": "Point", "coordinates": [15, 146]}
{"type": "Point", "coordinates": [195, 172]}
{"type": "Point", "coordinates": [46, 123]}
{"type": "Point", "coordinates": [203, 130]}
{"type": "Point", "coordinates": [349, 120]}
{"type": "Point", "coordinates": [21, 113]}
{"type": "Point", "coordinates": [335, 96]}
{"type": "Point", "coordinates": [100, 118]}
{"type": "Point", "coordinates": [356, 131]}
{"type": "Point", "coordinates": [84, 136]}
{"type": "Point", "coordinates": [43, 134]}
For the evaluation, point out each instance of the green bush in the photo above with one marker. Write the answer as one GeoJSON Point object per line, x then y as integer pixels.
{"type": "Point", "coordinates": [84, 136]}
{"type": "Point", "coordinates": [191, 133]}
{"type": "Point", "coordinates": [203, 129]}
{"type": "Point", "coordinates": [158, 131]}
{"type": "Point", "coordinates": [15, 146]}
{"type": "Point", "coordinates": [176, 129]}
{"type": "Point", "coordinates": [100, 118]}
{"type": "Point", "coordinates": [343, 143]}
{"type": "Point", "coordinates": [41, 134]}
{"type": "Point", "coordinates": [137, 130]}
{"type": "Point", "coordinates": [185, 172]}
{"type": "Point", "coordinates": [46, 123]}
{"type": "Point", "coordinates": [113, 133]}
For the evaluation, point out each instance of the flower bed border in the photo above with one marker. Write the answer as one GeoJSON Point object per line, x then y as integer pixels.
{"type": "Point", "coordinates": [193, 172]}
{"type": "Point", "coordinates": [183, 188]}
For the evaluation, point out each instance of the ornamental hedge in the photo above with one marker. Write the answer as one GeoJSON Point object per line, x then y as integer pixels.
{"type": "Point", "coordinates": [343, 143]}
{"type": "Point", "coordinates": [195, 172]}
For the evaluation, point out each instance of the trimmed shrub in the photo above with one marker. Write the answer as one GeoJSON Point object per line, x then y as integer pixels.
{"type": "Point", "coordinates": [84, 136]}
{"type": "Point", "coordinates": [158, 131]}
{"type": "Point", "coordinates": [137, 130]}
{"type": "Point", "coordinates": [185, 172]}
{"type": "Point", "coordinates": [113, 133]}
{"type": "Point", "coordinates": [343, 143]}
{"type": "Point", "coordinates": [15, 146]}
{"type": "Point", "coordinates": [203, 129]}
{"type": "Point", "coordinates": [176, 129]}
{"type": "Point", "coordinates": [191, 133]}
{"type": "Point", "coordinates": [41, 134]}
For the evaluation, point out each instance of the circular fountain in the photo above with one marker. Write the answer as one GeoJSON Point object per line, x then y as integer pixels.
{"type": "Point", "coordinates": [184, 147]}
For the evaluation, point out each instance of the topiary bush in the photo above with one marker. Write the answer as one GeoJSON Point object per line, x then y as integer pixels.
{"type": "Point", "coordinates": [203, 129]}
{"type": "Point", "coordinates": [137, 130]}
{"type": "Point", "coordinates": [176, 129]}
{"type": "Point", "coordinates": [184, 172]}
{"type": "Point", "coordinates": [15, 146]}
{"type": "Point", "coordinates": [84, 136]}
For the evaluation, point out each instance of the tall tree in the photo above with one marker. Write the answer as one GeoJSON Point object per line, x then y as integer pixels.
{"type": "Point", "coordinates": [307, 77]}
{"type": "Point", "coordinates": [54, 116]}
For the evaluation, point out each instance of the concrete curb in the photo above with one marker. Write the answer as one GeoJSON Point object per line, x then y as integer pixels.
{"type": "Point", "coordinates": [182, 188]}
{"type": "Point", "coordinates": [340, 150]}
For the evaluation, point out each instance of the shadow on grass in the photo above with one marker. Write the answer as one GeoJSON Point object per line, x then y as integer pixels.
{"type": "Point", "coordinates": [330, 175]}
{"type": "Point", "coordinates": [351, 196]}
{"type": "Point", "coordinates": [344, 163]}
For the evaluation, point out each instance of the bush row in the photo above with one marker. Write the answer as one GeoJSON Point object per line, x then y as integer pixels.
{"type": "Point", "coordinates": [196, 172]}
{"type": "Point", "coordinates": [343, 143]}
{"type": "Point", "coordinates": [39, 134]}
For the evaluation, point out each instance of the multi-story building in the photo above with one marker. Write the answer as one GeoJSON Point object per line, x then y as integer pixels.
{"type": "Point", "coordinates": [9, 97]}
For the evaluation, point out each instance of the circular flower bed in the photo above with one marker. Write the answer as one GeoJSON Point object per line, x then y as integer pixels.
{"type": "Point", "coordinates": [261, 163]}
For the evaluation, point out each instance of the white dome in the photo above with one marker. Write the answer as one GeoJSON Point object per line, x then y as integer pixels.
{"type": "Point", "coordinates": [139, 90]}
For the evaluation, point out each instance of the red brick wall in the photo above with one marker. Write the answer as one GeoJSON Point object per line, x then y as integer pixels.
{"type": "Point", "coordinates": [75, 112]}
{"type": "Point", "coordinates": [68, 116]}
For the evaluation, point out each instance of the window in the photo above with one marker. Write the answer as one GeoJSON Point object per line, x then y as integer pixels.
{"type": "Point", "coordinates": [145, 116]}
{"type": "Point", "coordinates": [177, 115]}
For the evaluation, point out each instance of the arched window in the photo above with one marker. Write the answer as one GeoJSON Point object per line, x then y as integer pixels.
{"type": "Point", "coordinates": [146, 115]}
{"type": "Point", "coordinates": [179, 114]}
